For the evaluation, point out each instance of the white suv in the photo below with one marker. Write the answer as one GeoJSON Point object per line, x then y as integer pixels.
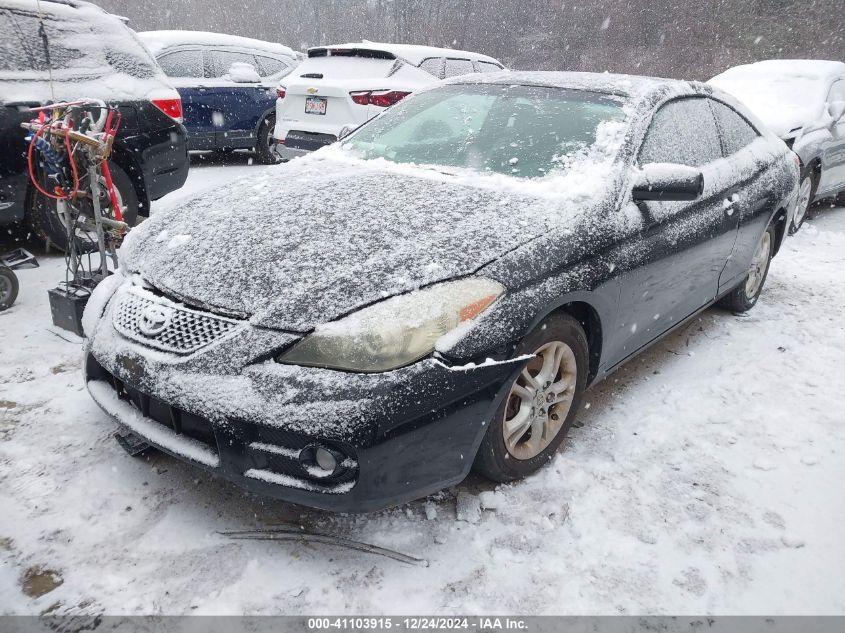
{"type": "Point", "coordinates": [341, 87]}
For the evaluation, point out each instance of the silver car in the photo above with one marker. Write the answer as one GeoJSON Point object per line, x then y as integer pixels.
{"type": "Point", "coordinates": [803, 102]}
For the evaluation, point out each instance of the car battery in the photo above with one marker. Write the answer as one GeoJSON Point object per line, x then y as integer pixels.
{"type": "Point", "coordinates": [67, 308]}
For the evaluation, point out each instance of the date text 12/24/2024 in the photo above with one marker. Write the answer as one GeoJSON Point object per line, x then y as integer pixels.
{"type": "Point", "coordinates": [417, 623]}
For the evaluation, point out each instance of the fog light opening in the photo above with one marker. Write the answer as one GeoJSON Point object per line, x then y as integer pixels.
{"type": "Point", "coordinates": [320, 462]}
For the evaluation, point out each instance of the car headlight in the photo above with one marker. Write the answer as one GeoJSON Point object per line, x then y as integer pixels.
{"type": "Point", "coordinates": [394, 332]}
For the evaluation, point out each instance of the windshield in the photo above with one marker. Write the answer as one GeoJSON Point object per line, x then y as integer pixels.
{"type": "Point", "coordinates": [521, 131]}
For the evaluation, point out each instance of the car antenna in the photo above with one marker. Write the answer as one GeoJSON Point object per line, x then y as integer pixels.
{"type": "Point", "coordinates": [43, 33]}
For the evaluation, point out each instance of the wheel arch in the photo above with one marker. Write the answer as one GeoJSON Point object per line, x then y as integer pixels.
{"type": "Point", "coordinates": [264, 116]}
{"type": "Point", "coordinates": [585, 310]}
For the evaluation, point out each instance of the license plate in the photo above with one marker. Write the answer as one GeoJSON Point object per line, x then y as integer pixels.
{"type": "Point", "coordinates": [315, 105]}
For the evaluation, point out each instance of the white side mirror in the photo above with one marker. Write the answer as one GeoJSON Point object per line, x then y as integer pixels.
{"type": "Point", "coordinates": [243, 73]}
{"type": "Point", "coordinates": [836, 109]}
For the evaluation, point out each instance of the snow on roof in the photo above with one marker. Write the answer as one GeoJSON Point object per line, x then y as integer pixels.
{"type": "Point", "coordinates": [623, 85]}
{"type": "Point", "coordinates": [412, 53]}
{"type": "Point", "coordinates": [819, 69]}
{"type": "Point", "coordinates": [158, 41]}
{"type": "Point", "coordinates": [786, 94]}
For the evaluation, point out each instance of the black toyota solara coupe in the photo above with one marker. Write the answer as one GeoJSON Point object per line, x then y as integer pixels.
{"type": "Point", "coordinates": [434, 293]}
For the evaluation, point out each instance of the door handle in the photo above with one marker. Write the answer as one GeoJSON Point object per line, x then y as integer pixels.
{"type": "Point", "coordinates": [728, 204]}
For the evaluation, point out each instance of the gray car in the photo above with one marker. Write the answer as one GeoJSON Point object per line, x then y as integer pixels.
{"type": "Point", "coordinates": [362, 326]}
{"type": "Point", "coordinates": [803, 102]}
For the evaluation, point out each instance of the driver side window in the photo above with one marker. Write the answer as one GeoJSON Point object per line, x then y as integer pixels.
{"type": "Point", "coordinates": [682, 132]}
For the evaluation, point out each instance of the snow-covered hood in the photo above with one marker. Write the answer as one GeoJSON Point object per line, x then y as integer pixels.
{"type": "Point", "coordinates": [307, 242]}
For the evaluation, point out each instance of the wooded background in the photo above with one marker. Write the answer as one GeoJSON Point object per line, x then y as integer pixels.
{"type": "Point", "coordinates": [691, 39]}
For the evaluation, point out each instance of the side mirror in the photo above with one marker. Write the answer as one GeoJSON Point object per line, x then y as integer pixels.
{"type": "Point", "coordinates": [667, 182]}
{"type": "Point", "coordinates": [836, 110]}
{"type": "Point", "coordinates": [243, 73]}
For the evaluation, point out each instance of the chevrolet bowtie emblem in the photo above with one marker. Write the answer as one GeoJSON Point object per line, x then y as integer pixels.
{"type": "Point", "coordinates": [312, 91]}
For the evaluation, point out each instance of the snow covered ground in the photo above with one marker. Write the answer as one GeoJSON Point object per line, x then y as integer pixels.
{"type": "Point", "coordinates": [706, 477]}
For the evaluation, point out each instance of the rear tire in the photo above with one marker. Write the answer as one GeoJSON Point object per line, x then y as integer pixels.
{"type": "Point", "coordinates": [744, 297]}
{"type": "Point", "coordinates": [43, 216]}
{"type": "Point", "coordinates": [266, 143]}
{"type": "Point", "coordinates": [8, 288]}
{"type": "Point", "coordinates": [546, 413]}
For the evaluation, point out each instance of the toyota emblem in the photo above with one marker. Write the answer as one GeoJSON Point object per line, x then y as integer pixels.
{"type": "Point", "coordinates": [154, 319]}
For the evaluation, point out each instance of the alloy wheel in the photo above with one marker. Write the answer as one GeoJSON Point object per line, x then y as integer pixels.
{"type": "Point", "coordinates": [539, 400]}
{"type": "Point", "coordinates": [759, 262]}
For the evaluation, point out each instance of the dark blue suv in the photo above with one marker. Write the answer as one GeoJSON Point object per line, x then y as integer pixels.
{"type": "Point", "coordinates": [227, 84]}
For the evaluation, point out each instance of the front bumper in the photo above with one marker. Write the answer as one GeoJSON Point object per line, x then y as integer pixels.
{"type": "Point", "coordinates": [400, 435]}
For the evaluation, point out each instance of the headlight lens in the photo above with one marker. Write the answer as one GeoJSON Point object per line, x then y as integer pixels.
{"type": "Point", "coordinates": [394, 332]}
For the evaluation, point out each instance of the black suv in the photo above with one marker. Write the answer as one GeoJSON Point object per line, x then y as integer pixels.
{"type": "Point", "coordinates": [71, 50]}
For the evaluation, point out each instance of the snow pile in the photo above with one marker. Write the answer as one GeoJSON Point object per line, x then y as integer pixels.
{"type": "Point", "coordinates": [785, 94]}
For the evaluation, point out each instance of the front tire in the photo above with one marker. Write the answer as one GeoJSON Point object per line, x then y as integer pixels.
{"type": "Point", "coordinates": [806, 192]}
{"type": "Point", "coordinates": [541, 404]}
{"type": "Point", "coordinates": [265, 144]}
{"type": "Point", "coordinates": [744, 297]}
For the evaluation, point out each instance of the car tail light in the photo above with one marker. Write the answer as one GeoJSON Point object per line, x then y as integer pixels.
{"type": "Point", "coordinates": [361, 97]}
{"type": "Point", "coordinates": [381, 98]}
{"type": "Point", "coordinates": [387, 98]}
{"type": "Point", "coordinates": [171, 107]}
{"type": "Point", "coordinates": [281, 91]}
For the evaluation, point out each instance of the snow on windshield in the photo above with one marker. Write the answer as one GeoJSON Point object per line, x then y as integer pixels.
{"type": "Point", "coordinates": [520, 131]}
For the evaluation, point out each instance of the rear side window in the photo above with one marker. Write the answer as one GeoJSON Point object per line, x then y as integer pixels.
{"type": "Point", "coordinates": [78, 48]}
{"type": "Point", "coordinates": [433, 66]}
{"type": "Point", "coordinates": [22, 42]}
{"type": "Point", "coordinates": [736, 131]}
{"type": "Point", "coordinates": [182, 63]}
{"type": "Point", "coordinates": [221, 61]}
{"type": "Point", "coordinates": [682, 132]}
{"type": "Point", "coordinates": [487, 67]}
{"type": "Point", "coordinates": [269, 65]}
{"type": "Point", "coordinates": [455, 67]}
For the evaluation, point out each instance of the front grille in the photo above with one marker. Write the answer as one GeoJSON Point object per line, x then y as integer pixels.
{"type": "Point", "coordinates": [160, 323]}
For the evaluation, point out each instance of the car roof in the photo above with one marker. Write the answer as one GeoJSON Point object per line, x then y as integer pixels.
{"type": "Point", "coordinates": [814, 69]}
{"type": "Point", "coordinates": [415, 54]}
{"type": "Point", "coordinates": [626, 86]}
{"type": "Point", "coordinates": [158, 41]}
